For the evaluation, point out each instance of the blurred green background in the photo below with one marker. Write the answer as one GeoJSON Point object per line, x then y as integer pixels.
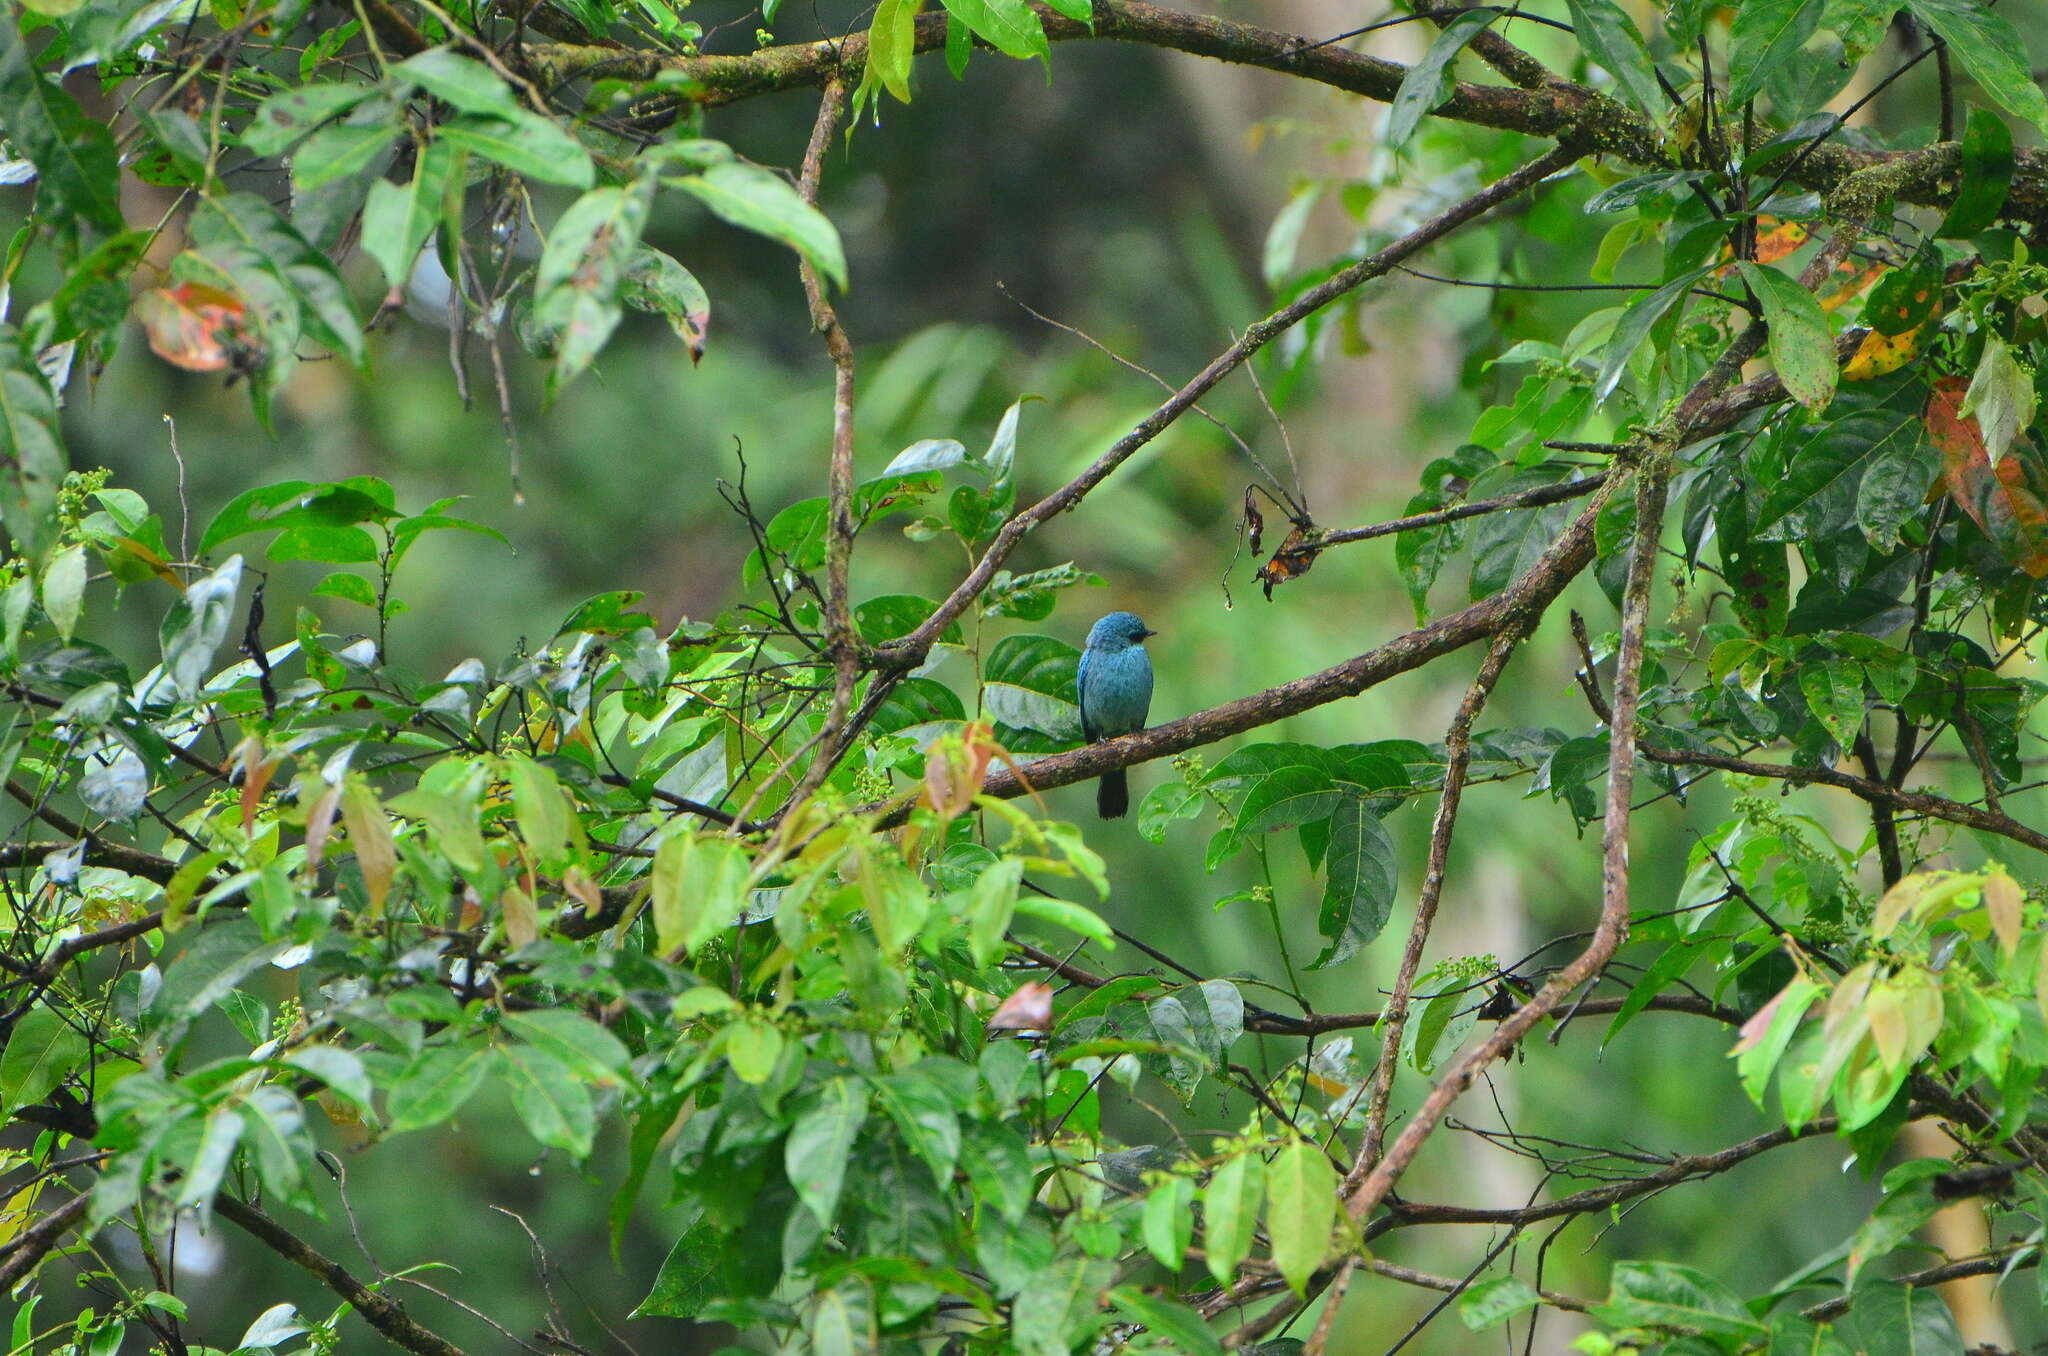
{"type": "Point", "coordinates": [1129, 198]}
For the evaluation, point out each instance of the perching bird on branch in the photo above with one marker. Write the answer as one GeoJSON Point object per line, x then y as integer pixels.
{"type": "Point", "coordinates": [1115, 690]}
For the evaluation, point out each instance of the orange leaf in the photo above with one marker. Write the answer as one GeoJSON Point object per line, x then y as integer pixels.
{"type": "Point", "coordinates": [193, 326]}
{"type": "Point", "coordinates": [1779, 240]}
{"type": "Point", "coordinates": [2009, 502]}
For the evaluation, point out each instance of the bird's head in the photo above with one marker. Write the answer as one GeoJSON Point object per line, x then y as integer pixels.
{"type": "Point", "coordinates": [1118, 631]}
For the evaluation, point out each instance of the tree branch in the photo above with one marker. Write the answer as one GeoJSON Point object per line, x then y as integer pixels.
{"type": "Point", "coordinates": [380, 1311]}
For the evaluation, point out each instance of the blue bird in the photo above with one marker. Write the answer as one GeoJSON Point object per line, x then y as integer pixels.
{"type": "Point", "coordinates": [1114, 685]}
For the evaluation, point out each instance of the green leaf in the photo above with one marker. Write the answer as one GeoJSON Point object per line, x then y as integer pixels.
{"type": "Point", "coordinates": [820, 1145]}
{"type": "Point", "coordinates": [1991, 50]}
{"type": "Point", "coordinates": [1801, 348]}
{"type": "Point", "coordinates": [924, 1112]}
{"type": "Point", "coordinates": [892, 42]}
{"type": "Point", "coordinates": [1887, 1319]}
{"type": "Point", "coordinates": [64, 589]}
{"type": "Point", "coordinates": [1301, 1209]}
{"type": "Point", "coordinates": [73, 154]}
{"type": "Point", "coordinates": [527, 144]}
{"type": "Point", "coordinates": [991, 903]}
{"type": "Point", "coordinates": [436, 1083]}
{"type": "Point", "coordinates": [1634, 326]}
{"type": "Point", "coordinates": [339, 151]}
{"type": "Point", "coordinates": [1819, 491]}
{"type": "Point", "coordinates": [1893, 491]}
{"type": "Point", "coordinates": [1168, 1224]}
{"type": "Point", "coordinates": [577, 286]}
{"type": "Point", "coordinates": [2001, 397]}
{"type": "Point", "coordinates": [296, 503]}
{"type": "Point", "coordinates": [552, 1103]}
{"type": "Point", "coordinates": [656, 283]}
{"type": "Point", "coordinates": [307, 275]}
{"type": "Point", "coordinates": [1495, 1300]}
{"type": "Point", "coordinates": [1834, 693]}
{"type": "Point", "coordinates": [339, 1069]}
{"type": "Point", "coordinates": [285, 119]}
{"type": "Point", "coordinates": [1427, 83]}
{"type": "Point", "coordinates": [542, 809]}
{"type": "Point", "coordinates": [1009, 26]}
{"type": "Point", "coordinates": [32, 460]}
{"type": "Point", "coordinates": [1766, 35]}
{"type": "Point", "coordinates": [398, 218]}
{"type": "Point", "coordinates": [1610, 38]}
{"type": "Point", "coordinates": [758, 200]}
{"type": "Point", "coordinates": [462, 81]}
{"type": "Point", "coordinates": [1666, 1295]}
{"type": "Point", "coordinates": [697, 887]}
{"type": "Point", "coordinates": [196, 626]}
{"type": "Point", "coordinates": [1766, 1036]}
{"type": "Point", "coordinates": [1362, 878]}
{"type": "Point", "coordinates": [42, 1050]}
{"type": "Point", "coordinates": [1986, 178]}
{"type": "Point", "coordinates": [1168, 1319]}
{"type": "Point", "coordinates": [584, 1048]}
{"type": "Point", "coordinates": [689, 1278]}
{"type": "Point", "coordinates": [752, 1048]}
{"type": "Point", "coordinates": [1230, 1205]}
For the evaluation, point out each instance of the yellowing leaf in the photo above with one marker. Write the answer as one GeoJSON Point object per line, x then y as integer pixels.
{"type": "Point", "coordinates": [1879, 354]}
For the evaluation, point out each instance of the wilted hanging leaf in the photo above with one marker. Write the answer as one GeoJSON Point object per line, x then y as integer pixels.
{"type": "Point", "coordinates": [1294, 558]}
{"type": "Point", "coordinates": [1254, 521]}
{"type": "Point", "coordinates": [196, 326]}
{"type": "Point", "coordinates": [2009, 501]}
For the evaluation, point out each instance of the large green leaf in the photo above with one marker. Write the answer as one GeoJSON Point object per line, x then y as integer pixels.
{"type": "Point", "coordinates": [1767, 35]}
{"type": "Point", "coordinates": [1801, 348]}
{"type": "Point", "coordinates": [820, 1144]}
{"type": "Point", "coordinates": [73, 154]}
{"type": "Point", "coordinates": [1666, 1295]}
{"type": "Point", "coordinates": [1611, 38]}
{"type": "Point", "coordinates": [1427, 82]}
{"type": "Point", "coordinates": [44, 1048]}
{"type": "Point", "coordinates": [759, 200]}
{"type": "Point", "coordinates": [398, 218]}
{"type": "Point", "coordinates": [1009, 26]}
{"type": "Point", "coordinates": [526, 144]}
{"type": "Point", "coordinates": [1361, 880]}
{"type": "Point", "coordinates": [1301, 1209]}
{"type": "Point", "coordinates": [1991, 50]}
{"type": "Point", "coordinates": [434, 1085]}
{"type": "Point", "coordinates": [32, 459]}
{"type": "Point", "coordinates": [1634, 326]}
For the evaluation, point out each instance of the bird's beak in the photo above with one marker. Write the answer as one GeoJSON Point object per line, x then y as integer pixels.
{"type": "Point", "coordinates": [1144, 634]}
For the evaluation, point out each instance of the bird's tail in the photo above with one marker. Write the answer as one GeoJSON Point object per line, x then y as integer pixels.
{"type": "Point", "coordinates": [1113, 795]}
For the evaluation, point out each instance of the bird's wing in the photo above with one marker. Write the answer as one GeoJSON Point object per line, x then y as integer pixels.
{"type": "Point", "coordinates": [1081, 698]}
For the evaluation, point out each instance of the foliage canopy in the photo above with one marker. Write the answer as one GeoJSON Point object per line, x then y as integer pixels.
{"type": "Point", "coordinates": [770, 895]}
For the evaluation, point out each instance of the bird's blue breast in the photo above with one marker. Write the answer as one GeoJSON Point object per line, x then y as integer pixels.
{"type": "Point", "coordinates": [1115, 688]}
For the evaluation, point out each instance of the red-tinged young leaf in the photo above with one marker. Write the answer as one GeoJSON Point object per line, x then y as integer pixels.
{"type": "Point", "coordinates": [2009, 502]}
{"type": "Point", "coordinates": [2001, 895]}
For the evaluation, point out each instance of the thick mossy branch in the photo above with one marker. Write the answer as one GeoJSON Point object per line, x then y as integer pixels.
{"type": "Point", "coordinates": [1556, 109]}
